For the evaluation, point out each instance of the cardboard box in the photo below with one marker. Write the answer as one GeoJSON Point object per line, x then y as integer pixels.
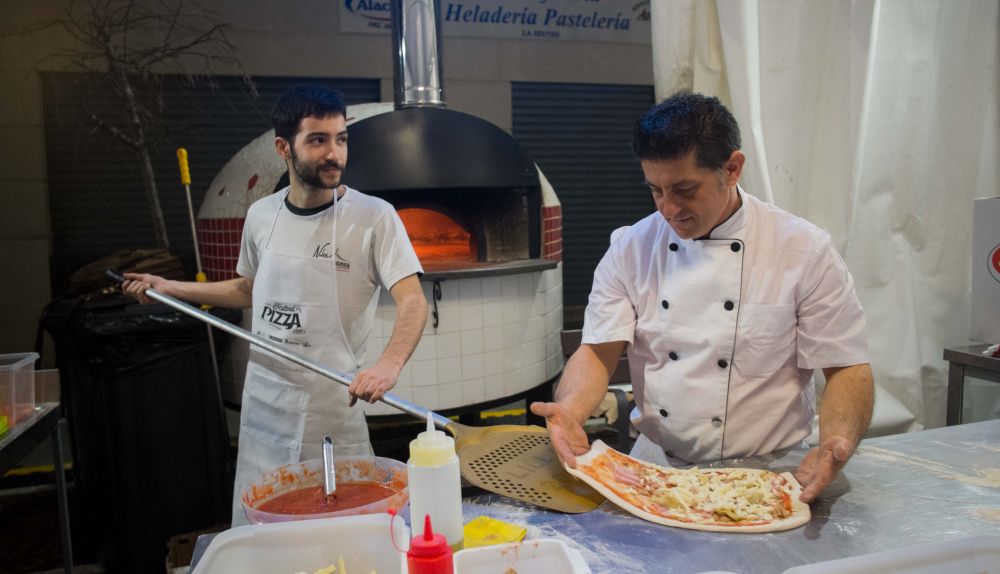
{"type": "Point", "coordinates": [986, 270]}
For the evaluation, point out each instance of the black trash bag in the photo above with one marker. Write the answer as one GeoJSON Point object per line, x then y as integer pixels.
{"type": "Point", "coordinates": [152, 457]}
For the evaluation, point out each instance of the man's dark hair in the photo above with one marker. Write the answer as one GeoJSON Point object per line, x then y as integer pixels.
{"type": "Point", "coordinates": [304, 102]}
{"type": "Point", "coordinates": [684, 122]}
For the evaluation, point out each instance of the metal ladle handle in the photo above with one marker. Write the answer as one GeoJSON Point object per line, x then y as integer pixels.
{"type": "Point", "coordinates": [329, 471]}
{"type": "Point", "coordinates": [332, 374]}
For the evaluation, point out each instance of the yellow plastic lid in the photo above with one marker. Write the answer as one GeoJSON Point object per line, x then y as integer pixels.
{"type": "Point", "coordinates": [486, 531]}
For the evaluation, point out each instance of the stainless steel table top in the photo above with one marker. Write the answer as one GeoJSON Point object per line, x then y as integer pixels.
{"type": "Point", "coordinates": [897, 491]}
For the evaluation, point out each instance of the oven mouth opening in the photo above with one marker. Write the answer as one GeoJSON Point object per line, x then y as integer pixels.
{"type": "Point", "coordinates": [437, 237]}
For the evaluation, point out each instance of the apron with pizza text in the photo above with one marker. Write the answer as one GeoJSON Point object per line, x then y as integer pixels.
{"type": "Point", "coordinates": [287, 409]}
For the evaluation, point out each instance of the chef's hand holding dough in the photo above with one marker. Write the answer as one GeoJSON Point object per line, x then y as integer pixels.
{"type": "Point", "coordinates": [581, 389]}
{"type": "Point", "coordinates": [568, 437]}
{"type": "Point", "coordinates": [845, 410]}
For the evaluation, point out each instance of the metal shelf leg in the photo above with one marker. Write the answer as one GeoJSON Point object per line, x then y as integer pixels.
{"type": "Point", "coordinates": [60, 474]}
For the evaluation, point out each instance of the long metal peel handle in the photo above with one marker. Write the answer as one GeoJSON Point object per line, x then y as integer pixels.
{"type": "Point", "coordinates": [329, 474]}
{"type": "Point", "coordinates": [332, 374]}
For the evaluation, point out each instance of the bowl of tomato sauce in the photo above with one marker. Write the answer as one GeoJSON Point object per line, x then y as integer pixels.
{"type": "Point", "coordinates": [365, 485]}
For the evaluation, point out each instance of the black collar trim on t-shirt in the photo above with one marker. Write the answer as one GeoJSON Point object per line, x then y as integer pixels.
{"type": "Point", "coordinates": [307, 210]}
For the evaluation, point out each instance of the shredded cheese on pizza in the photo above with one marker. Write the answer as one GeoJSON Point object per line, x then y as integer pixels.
{"type": "Point", "coordinates": [705, 496]}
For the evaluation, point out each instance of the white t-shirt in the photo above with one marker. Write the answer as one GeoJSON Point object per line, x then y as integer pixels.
{"type": "Point", "coordinates": [798, 311]}
{"type": "Point", "coordinates": [373, 250]}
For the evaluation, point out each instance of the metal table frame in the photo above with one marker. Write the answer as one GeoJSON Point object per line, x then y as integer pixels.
{"type": "Point", "coordinates": [46, 422]}
{"type": "Point", "coordinates": [967, 361]}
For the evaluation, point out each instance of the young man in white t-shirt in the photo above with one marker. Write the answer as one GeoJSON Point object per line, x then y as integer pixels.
{"type": "Point", "coordinates": [312, 261]}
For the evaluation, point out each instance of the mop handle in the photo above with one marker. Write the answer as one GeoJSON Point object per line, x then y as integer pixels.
{"type": "Point", "coordinates": [182, 163]}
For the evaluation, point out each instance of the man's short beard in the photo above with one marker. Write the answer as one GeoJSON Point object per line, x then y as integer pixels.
{"type": "Point", "coordinates": [309, 177]}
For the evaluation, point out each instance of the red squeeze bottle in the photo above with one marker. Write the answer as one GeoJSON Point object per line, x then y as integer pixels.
{"type": "Point", "coordinates": [429, 553]}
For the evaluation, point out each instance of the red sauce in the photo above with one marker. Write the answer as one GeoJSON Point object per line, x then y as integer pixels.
{"type": "Point", "coordinates": [311, 500]}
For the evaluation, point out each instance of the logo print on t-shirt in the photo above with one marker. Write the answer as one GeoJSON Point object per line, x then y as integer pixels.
{"type": "Point", "coordinates": [322, 251]}
{"type": "Point", "coordinates": [342, 264]}
{"type": "Point", "coordinates": [283, 316]}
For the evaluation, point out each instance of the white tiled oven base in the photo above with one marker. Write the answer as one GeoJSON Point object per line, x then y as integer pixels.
{"type": "Point", "coordinates": [496, 337]}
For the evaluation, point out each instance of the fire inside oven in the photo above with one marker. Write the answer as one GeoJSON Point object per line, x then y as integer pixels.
{"type": "Point", "coordinates": [437, 237]}
{"type": "Point", "coordinates": [453, 229]}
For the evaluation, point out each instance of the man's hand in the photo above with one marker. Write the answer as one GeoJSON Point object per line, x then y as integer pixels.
{"type": "Point", "coordinates": [821, 465]}
{"type": "Point", "coordinates": [568, 437]}
{"type": "Point", "coordinates": [136, 284]}
{"type": "Point", "coordinates": [371, 384]}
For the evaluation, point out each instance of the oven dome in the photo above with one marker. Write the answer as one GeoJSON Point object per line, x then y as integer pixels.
{"type": "Point", "coordinates": [434, 148]}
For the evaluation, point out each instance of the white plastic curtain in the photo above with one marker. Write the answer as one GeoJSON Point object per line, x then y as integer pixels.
{"type": "Point", "coordinates": [877, 120]}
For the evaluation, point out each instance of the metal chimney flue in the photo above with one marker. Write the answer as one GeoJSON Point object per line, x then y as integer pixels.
{"type": "Point", "coordinates": [417, 78]}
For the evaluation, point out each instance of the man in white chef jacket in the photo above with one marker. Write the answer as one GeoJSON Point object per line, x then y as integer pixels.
{"type": "Point", "coordinates": [725, 305]}
{"type": "Point", "coordinates": [312, 261]}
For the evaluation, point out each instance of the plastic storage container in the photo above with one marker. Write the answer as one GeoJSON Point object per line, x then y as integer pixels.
{"type": "Point", "coordinates": [364, 542]}
{"type": "Point", "coordinates": [385, 471]}
{"type": "Point", "coordinates": [17, 387]}
{"type": "Point", "coordinates": [542, 556]}
{"type": "Point", "coordinates": [966, 555]}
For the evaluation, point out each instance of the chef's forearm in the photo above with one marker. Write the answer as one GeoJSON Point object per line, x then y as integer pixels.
{"type": "Point", "coordinates": [233, 293]}
{"type": "Point", "coordinates": [585, 378]}
{"type": "Point", "coordinates": [411, 316]}
{"type": "Point", "coordinates": [846, 406]}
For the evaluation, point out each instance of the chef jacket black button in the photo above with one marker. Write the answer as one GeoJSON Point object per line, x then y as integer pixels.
{"type": "Point", "coordinates": [729, 305]}
{"type": "Point", "coordinates": [663, 413]}
{"type": "Point", "coordinates": [673, 356]}
{"type": "Point", "coordinates": [723, 364]}
{"type": "Point", "coordinates": [716, 422]}
{"type": "Point", "coordinates": [735, 246]}
{"type": "Point", "coordinates": [673, 247]}
{"type": "Point", "coordinates": [665, 304]}
{"type": "Point", "coordinates": [668, 453]}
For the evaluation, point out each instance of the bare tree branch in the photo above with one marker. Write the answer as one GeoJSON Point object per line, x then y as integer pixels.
{"type": "Point", "coordinates": [115, 133]}
{"type": "Point", "coordinates": [129, 44]}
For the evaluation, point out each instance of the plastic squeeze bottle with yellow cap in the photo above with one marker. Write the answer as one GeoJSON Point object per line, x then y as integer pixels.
{"type": "Point", "coordinates": [435, 486]}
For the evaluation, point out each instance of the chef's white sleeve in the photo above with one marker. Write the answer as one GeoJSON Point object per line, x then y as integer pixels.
{"type": "Point", "coordinates": [610, 314]}
{"type": "Point", "coordinates": [831, 322]}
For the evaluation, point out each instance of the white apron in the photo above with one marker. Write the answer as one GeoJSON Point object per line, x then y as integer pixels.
{"type": "Point", "coordinates": [687, 348]}
{"type": "Point", "coordinates": [288, 409]}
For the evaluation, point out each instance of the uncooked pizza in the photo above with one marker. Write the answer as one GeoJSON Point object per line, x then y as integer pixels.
{"type": "Point", "coordinates": [716, 499]}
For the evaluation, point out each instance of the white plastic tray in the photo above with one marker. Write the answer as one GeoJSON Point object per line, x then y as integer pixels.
{"type": "Point", "coordinates": [308, 545]}
{"type": "Point", "coordinates": [541, 556]}
{"type": "Point", "coordinates": [968, 555]}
